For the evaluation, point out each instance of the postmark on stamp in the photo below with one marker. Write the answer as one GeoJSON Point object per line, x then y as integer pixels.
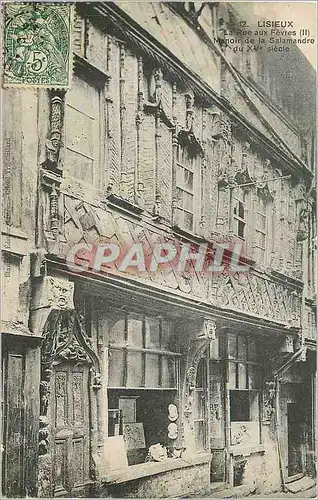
{"type": "Point", "coordinates": [37, 45]}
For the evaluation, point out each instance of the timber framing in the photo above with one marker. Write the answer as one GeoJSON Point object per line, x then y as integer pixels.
{"type": "Point", "coordinates": [145, 43]}
{"type": "Point", "coordinates": [177, 303]}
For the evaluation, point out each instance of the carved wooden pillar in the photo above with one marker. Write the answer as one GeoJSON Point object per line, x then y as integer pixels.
{"type": "Point", "coordinates": [158, 200]}
{"type": "Point", "coordinates": [223, 132]}
{"type": "Point", "coordinates": [110, 113]}
{"type": "Point", "coordinates": [51, 175]}
{"type": "Point", "coordinates": [174, 154]}
{"type": "Point", "coordinates": [139, 185]}
{"type": "Point", "coordinates": [203, 173]}
{"type": "Point", "coordinates": [122, 106]}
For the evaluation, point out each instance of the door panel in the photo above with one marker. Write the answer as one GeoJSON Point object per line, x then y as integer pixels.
{"type": "Point", "coordinates": [13, 463]}
{"type": "Point", "coordinates": [70, 428]}
{"type": "Point", "coordinates": [295, 448]}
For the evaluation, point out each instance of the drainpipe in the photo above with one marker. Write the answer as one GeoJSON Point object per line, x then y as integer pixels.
{"type": "Point", "coordinates": [281, 370]}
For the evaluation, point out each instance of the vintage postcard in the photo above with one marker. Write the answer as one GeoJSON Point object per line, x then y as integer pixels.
{"type": "Point", "coordinates": [159, 249]}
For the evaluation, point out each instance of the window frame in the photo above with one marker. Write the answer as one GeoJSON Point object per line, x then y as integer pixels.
{"type": "Point", "coordinates": [203, 420]}
{"type": "Point", "coordinates": [261, 250]}
{"type": "Point", "coordinates": [240, 196]}
{"type": "Point", "coordinates": [96, 79]}
{"type": "Point", "coordinates": [192, 165]}
{"type": "Point", "coordinates": [262, 207]}
{"type": "Point", "coordinates": [144, 350]}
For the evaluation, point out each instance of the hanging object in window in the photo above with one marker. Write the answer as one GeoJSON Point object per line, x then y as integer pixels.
{"type": "Point", "coordinates": [173, 413]}
{"type": "Point", "coordinates": [172, 431]}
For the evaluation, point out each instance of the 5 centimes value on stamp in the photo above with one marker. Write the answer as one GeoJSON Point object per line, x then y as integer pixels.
{"type": "Point", "coordinates": [37, 45]}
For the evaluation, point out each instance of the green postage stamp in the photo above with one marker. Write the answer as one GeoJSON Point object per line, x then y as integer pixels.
{"type": "Point", "coordinates": [37, 44]}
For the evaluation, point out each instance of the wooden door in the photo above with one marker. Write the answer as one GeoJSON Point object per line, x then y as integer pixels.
{"type": "Point", "coordinates": [70, 428]}
{"type": "Point", "coordinates": [14, 417]}
{"type": "Point", "coordinates": [20, 412]}
{"type": "Point", "coordinates": [295, 438]}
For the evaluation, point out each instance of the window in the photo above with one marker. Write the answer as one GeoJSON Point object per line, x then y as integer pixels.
{"type": "Point", "coordinates": [260, 232]}
{"type": "Point", "coordinates": [143, 381]}
{"type": "Point", "coordinates": [141, 354]}
{"type": "Point", "coordinates": [82, 126]}
{"type": "Point", "coordinates": [243, 389]}
{"type": "Point", "coordinates": [187, 180]}
{"type": "Point", "coordinates": [239, 214]}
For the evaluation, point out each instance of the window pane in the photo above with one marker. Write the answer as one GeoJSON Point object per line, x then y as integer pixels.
{"type": "Point", "coordinates": [242, 348]}
{"type": "Point", "coordinates": [241, 210]}
{"type": "Point", "coordinates": [239, 406]}
{"type": "Point", "coordinates": [117, 328]}
{"type": "Point", "coordinates": [188, 179]}
{"type": "Point", "coordinates": [180, 193]}
{"type": "Point", "coordinates": [254, 407]}
{"type": "Point", "coordinates": [82, 129]}
{"type": "Point", "coordinates": [260, 239]}
{"type": "Point", "coordinates": [261, 221]}
{"type": "Point", "coordinates": [188, 201]}
{"type": "Point", "coordinates": [116, 368]}
{"type": "Point", "coordinates": [252, 377]}
{"type": "Point", "coordinates": [152, 371]}
{"type": "Point", "coordinates": [232, 346]}
{"type": "Point", "coordinates": [179, 176]}
{"type": "Point", "coordinates": [235, 207]}
{"type": "Point", "coordinates": [242, 382]}
{"type": "Point", "coordinates": [168, 371]}
{"type": "Point", "coordinates": [241, 228]}
{"type": "Point", "coordinates": [188, 221]}
{"type": "Point", "coordinates": [251, 349]}
{"type": "Point", "coordinates": [134, 369]}
{"type": "Point", "coordinates": [128, 409]}
{"type": "Point", "coordinates": [232, 375]}
{"type": "Point", "coordinates": [135, 324]}
{"type": "Point", "coordinates": [166, 336]}
{"type": "Point", "coordinates": [179, 217]}
{"type": "Point", "coordinates": [152, 326]}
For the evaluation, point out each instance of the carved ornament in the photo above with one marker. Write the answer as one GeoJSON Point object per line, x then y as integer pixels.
{"type": "Point", "coordinates": [64, 339]}
{"type": "Point", "coordinates": [186, 136]}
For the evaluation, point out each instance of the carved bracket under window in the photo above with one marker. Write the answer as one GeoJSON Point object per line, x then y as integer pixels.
{"type": "Point", "coordinates": [186, 136]}
{"type": "Point", "coordinates": [303, 230]}
{"type": "Point", "coordinates": [264, 192]}
{"type": "Point", "coordinates": [154, 105]}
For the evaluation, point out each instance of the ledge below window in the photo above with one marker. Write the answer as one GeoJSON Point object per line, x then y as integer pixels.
{"type": "Point", "coordinates": [246, 450]}
{"type": "Point", "coordinates": [152, 468]}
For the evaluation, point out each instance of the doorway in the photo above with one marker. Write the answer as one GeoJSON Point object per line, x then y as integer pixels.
{"type": "Point", "coordinates": [295, 439]}
{"type": "Point", "coordinates": [200, 406]}
{"type": "Point", "coordinates": [69, 415]}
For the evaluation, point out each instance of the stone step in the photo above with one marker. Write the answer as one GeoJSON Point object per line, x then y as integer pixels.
{"type": "Point", "coordinates": [217, 486]}
{"type": "Point", "coordinates": [303, 484]}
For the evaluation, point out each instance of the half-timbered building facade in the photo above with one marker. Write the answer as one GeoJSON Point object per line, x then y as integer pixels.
{"type": "Point", "coordinates": [166, 135]}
